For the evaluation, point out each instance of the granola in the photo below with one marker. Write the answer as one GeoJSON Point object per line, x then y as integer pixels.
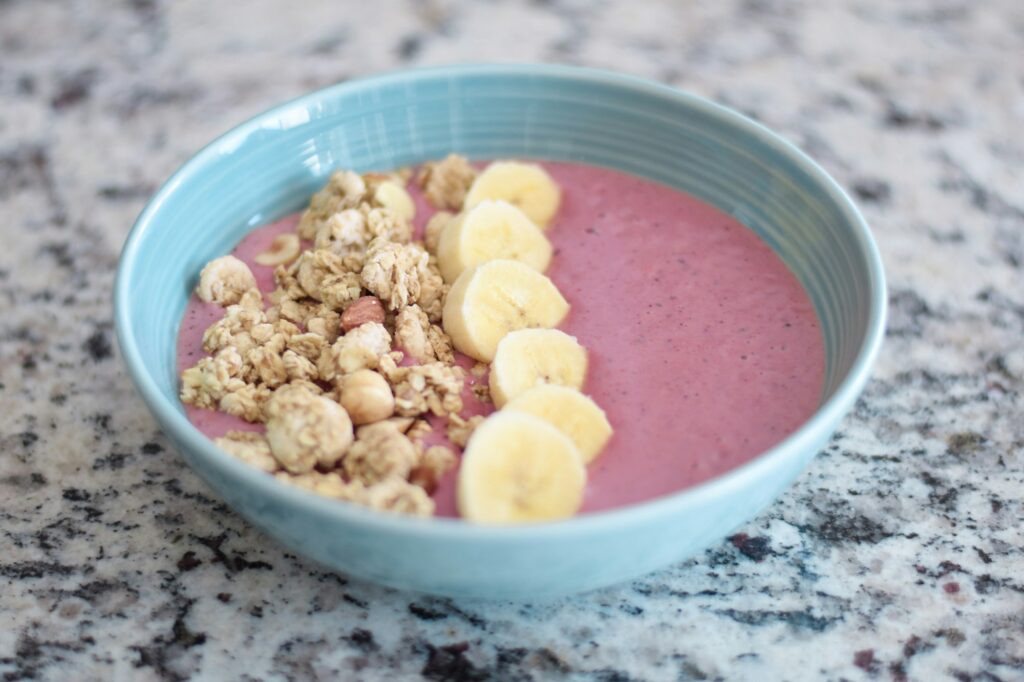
{"type": "Point", "coordinates": [250, 447]}
{"type": "Point", "coordinates": [420, 339]}
{"type": "Point", "coordinates": [482, 392]}
{"type": "Point", "coordinates": [224, 280]}
{"type": "Point", "coordinates": [246, 402]}
{"type": "Point", "coordinates": [345, 360]}
{"type": "Point", "coordinates": [433, 387]}
{"type": "Point", "coordinates": [344, 189]}
{"type": "Point", "coordinates": [329, 484]}
{"type": "Point", "coordinates": [398, 496]}
{"type": "Point", "coordinates": [435, 226]}
{"type": "Point", "coordinates": [204, 384]}
{"type": "Point", "coordinates": [306, 430]}
{"type": "Point", "coordinates": [381, 451]}
{"type": "Point", "coordinates": [418, 429]}
{"type": "Point", "coordinates": [435, 462]}
{"type": "Point", "coordinates": [433, 291]}
{"type": "Point", "coordinates": [446, 182]}
{"type": "Point", "coordinates": [393, 495]}
{"type": "Point", "coordinates": [360, 348]}
{"type": "Point", "coordinates": [459, 430]}
{"type": "Point", "coordinates": [393, 272]}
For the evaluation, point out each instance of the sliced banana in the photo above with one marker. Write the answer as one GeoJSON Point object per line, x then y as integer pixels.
{"type": "Point", "coordinates": [528, 357]}
{"type": "Point", "coordinates": [569, 411]}
{"type": "Point", "coordinates": [519, 469]}
{"type": "Point", "coordinates": [494, 298]}
{"type": "Point", "coordinates": [393, 196]}
{"type": "Point", "coordinates": [489, 230]}
{"type": "Point", "coordinates": [525, 185]}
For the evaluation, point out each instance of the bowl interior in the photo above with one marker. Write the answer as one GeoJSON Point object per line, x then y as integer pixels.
{"type": "Point", "coordinates": [268, 167]}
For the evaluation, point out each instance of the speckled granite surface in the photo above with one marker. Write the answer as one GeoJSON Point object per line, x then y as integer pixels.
{"type": "Point", "coordinates": [898, 555]}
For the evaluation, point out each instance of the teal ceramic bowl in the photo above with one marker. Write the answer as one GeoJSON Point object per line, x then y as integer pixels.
{"type": "Point", "coordinates": [267, 168]}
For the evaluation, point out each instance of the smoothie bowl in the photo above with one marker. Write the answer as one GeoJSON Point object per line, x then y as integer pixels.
{"type": "Point", "coordinates": [610, 322]}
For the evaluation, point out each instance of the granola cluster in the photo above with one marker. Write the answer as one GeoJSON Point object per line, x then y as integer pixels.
{"type": "Point", "coordinates": [446, 182]}
{"type": "Point", "coordinates": [345, 360]}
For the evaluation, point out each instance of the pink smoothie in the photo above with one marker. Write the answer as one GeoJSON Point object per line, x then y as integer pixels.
{"type": "Point", "coordinates": [704, 348]}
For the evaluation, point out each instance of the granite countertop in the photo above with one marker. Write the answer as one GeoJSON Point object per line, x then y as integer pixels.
{"type": "Point", "coordinates": [899, 554]}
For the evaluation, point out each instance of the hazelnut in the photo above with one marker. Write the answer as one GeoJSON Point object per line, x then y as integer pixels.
{"type": "Point", "coordinates": [366, 396]}
{"type": "Point", "coordinates": [364, 309]}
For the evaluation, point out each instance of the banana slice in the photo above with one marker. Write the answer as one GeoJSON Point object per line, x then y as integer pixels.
{"type": "Point", "coordinates": [529, 357]}
{"type": "Point", "coordinates": [525, 185]}
{"type": "Point", "coordinates": [569, 411]}
{"type": "Point", "coordinates": [494, 298]}
{"type": "Point", "coordinates": [519, 469]}
{"type": "Point", "coordinates": [489, 230]}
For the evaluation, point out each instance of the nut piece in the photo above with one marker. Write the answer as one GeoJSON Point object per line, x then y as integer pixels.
{"type": "Point", "coordinates": [366, 396]}
{"type": "Point", "coordinates": [364, 309]}
{"type": "Point", "coordinates": [306, 430]}
{"type": "Point", "coordinates": [224, 280]}
{"type": "Point", "coordinates": [283, 250]}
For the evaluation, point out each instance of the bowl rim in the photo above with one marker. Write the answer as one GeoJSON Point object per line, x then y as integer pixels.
{"type": "Point", "coordinates": [810, 432]}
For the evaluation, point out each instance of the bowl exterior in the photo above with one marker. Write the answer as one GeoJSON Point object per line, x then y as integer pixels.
{"type": "Point", "coordinates": [267, 167]}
